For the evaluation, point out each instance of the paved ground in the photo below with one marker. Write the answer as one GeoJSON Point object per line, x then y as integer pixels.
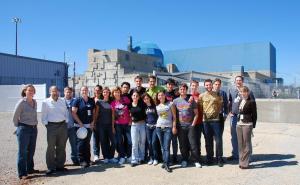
{"type": "Point", "coordinates": [275, 161]}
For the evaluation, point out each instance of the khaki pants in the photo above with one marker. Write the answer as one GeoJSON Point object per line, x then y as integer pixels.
{"type": "Point", "coordinates": [57, 135]}
{"type": "Point", "coordinates": [244, 143]}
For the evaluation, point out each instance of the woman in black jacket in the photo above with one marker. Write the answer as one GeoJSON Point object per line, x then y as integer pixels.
{"type": "Point", "coordinates": [246, 122]}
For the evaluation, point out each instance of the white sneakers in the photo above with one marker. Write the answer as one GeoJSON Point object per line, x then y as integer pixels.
{"type": "Point", "coordinates": [198, 165]}
{"type": "Point", "coordinates": [96, 158]}
{"type": "Point", "coordinates": [154, 162]}
{"type": "Point", "coordinates": [122, 161]}
{"type": "Point", "coordinates": [183, 164]}
{"type": "Point", "coordinates": [150, 162]}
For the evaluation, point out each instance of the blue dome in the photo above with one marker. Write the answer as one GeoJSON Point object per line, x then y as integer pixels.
{"type": "Point", "coordinates": [148, 48]}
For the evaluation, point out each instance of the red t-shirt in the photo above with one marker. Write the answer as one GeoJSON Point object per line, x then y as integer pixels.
{"type": "Point", "coordinates": [200, 113]}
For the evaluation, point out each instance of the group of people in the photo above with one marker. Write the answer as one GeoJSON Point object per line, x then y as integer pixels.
{"type": "Point", "coordinates": [139, 123]}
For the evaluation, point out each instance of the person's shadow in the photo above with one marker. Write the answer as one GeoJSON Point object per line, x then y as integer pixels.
{"type": "Point", "coordinates": [97, 167]}
{"type": "Point", "coordinates": [272, 160]}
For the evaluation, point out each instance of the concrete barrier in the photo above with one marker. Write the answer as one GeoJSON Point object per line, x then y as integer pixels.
{"type": "Point", "coordinates": [278, 110]}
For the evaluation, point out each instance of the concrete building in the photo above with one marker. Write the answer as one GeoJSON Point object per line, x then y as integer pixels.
{"type": "Point", "coordinates": [112, 67]}
{"type": "Point", "coordinates": [17, 70]}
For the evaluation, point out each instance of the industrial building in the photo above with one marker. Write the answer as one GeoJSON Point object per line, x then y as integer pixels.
{"type": "Point", "coordinates": [257, 57]}
{"type": "Point", "coordinates": [255, 61]}
{"type": "Point", "coordinates": [17, 70]}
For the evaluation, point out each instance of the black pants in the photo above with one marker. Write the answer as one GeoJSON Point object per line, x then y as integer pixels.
{"type": "Point", "coordinates": [123, 135]}
{"type": "Point", "coordinates": [84, 148]}
{"type": "Point", "coordinates": [222, 123]}
{"type": "Point", "coordinates": [188, 143]}
{"type": "Point", "coordinates": [199, 128]}
{"type": "Point", "coordinates": [107, 141]}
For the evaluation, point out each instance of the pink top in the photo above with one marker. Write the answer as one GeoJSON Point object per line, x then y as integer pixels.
{"type": "Point", "coordinates": [121, 109]}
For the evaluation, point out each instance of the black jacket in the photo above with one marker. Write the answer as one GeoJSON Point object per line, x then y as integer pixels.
{"type": "Point", "coordinates": [249, 112]}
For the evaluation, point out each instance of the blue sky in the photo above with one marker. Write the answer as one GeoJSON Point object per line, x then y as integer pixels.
{"type": "Point", "coordinates": [49, 28]}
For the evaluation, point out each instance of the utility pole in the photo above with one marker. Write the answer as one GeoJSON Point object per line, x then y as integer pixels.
{"type": "Point", "coordinates": [74, 78]}
{"type": "Point", "coordinates": [16, 20]}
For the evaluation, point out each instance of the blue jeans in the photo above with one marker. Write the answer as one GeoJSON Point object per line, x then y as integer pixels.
{"type": "Point", "coordinates": [164, 136]}
{"type": "Point", "coordinates": [213, 130]}
{"type": "Point", "coordinates": [123, 136]}
{"type": "Point", "coordinates": [72, 140]}
{"type": "Point", "coordinates": [84, 148]}
{"type": "Point", "coordinates": [96, 143]}
{"type": "Point", "coordinates": [151, 140]}
{"type": "Point", "coordinates": [234, 141]}
{"type": "Point", "coordinates": [138, 137]}
{"type": "Point", "coordinates": [26, 137]}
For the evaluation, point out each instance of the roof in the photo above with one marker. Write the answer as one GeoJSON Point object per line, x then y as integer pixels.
{"type": "Point", "coordinates": [30, 58]}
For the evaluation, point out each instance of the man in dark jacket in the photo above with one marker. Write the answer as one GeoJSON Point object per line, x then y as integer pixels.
{"type": "Point", "coordinates": [234, 102]}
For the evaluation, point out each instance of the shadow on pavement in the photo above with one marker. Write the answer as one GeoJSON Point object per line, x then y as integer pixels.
{"type": "Point", "coordinates": [78, 170]}
{"type": "Point", "coordinates": [271, 157]}
{"type": "Point", "coordinates": [272, 160]}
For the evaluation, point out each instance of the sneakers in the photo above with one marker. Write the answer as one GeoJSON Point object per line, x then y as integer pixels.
{"type": "Point", "coordinates": [150, 162]}
{"type": "Point", "coordinates": [113, 160]}
{"type": "Point", "coordinates": [168, 169]}
{"type": "Point", "coordinates": [155, 162]}
{"type": "Point", "coordinates": [183, 164]}
{"type": "Point", "coordinates": [133, 163]}
{"type": "Point", "coordinates": [105, 161]}
{"type": "Point", "coordinates": [220, 163]}
{"type": "Point", "coordinates": [198, 165]}
{"type": "Point", "coordinates": [122, 160]}
{"type": "Point", "coordinates": [96, 158]}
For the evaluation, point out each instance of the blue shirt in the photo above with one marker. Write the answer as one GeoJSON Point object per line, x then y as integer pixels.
{"type": "Point", "coordinates": [224, 109]}
{"type": "Point", "coordinates": [84, 109]}
{"type": "Point", "coordinates": [234, 100]}
{"type": "Point", "coordinates": [69, 104]}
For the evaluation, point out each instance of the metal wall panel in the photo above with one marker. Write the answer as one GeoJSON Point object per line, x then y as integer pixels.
{"type": "Point", "coordinates": [16, 70]}
{"type": "Point", "coordinates": [253, 56]}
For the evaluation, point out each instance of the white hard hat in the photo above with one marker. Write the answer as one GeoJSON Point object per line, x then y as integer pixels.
{"type": "Point", "coordinates": [82, 133]}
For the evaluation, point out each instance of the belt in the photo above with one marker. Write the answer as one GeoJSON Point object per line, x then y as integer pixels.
{"type": "Point", "coordinates": [162, 127]}
{"type": "Point", "coordinates": [150, 125]}
{"type": "Point", "coordinates": [61, 122]}
{"type": "Point", "coordinates": [25, 125]}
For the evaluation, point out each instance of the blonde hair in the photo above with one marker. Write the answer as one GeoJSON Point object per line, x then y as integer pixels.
{"type": "Point", "coordinates": [244, 89]}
